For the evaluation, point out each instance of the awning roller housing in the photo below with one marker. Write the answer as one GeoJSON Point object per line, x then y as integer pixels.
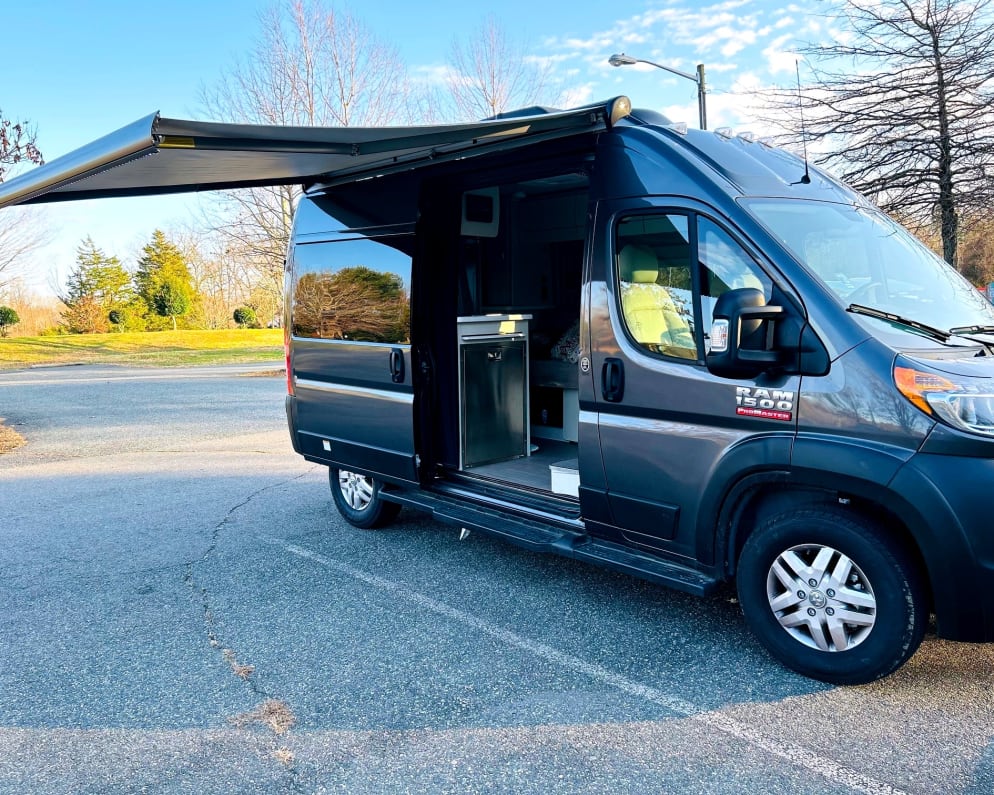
{"type": "Point", "coordinates": [156, 155]}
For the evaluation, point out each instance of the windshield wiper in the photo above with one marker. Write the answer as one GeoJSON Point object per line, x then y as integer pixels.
{"type": "Point", "coordinates": [929, 331]}
{"type": "Point", "coordinates": [972, 330]}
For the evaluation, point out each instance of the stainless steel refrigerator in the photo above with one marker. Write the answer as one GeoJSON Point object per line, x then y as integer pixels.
{"type": "Point", "coordinates": [493, 399]}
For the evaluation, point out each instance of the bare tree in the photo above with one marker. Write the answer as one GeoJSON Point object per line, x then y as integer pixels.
{"type": "Point", "coordinates": [17, 144]}
{"type": "Point", "coordinates": [490, 73]}
{"type": "Point", "coordinates": [20, 230]}
{"type": "Point", "coordinates": [312, 65]}
{"type": "Point", "coordinates": [976, 260]}
{"type": "Point", "coordinates": [903, 108]}
{"type": "Point", "coordinates": [37, 312]}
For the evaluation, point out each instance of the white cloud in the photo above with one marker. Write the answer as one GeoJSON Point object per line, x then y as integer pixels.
{"type": "Point", "coordinates": [634, 38]}
{"type": "Point", "coordinates": [582, 94]}
{"type": "Point", "coordinates": [594, 43]}
{"type": "Point", "coordinates": [744, 44]}
{"type": "Point", "coordinates": [431, 74]}
{"type": "Point", "coordinates": [718, 66]}
{"type": "Point", "coordinates": [779, 58]}
{"type": "Point", "coordinates": [546, 61]}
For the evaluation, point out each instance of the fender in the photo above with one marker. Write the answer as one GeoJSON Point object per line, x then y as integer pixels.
{"type": "Point", "coordinates": [807, 461]}
{"type": "Point", "coordinates": [959, 576]}
{"type": "Point", "coordinates": [765, 457]}
{"type": "Point", "coordinates": [878, 475]}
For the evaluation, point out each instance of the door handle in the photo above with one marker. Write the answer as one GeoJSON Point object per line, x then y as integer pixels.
{"type": "Point", "coordinates": [613, 380]}
{"type": "Point", "coordinates": [397, 365]}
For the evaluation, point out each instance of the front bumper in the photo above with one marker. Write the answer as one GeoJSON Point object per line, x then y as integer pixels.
{"type": "Point", "coordinates": [951, 499]}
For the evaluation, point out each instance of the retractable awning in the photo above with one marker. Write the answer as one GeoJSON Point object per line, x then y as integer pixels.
{"type": "Point", "coordinates": [156, 155]}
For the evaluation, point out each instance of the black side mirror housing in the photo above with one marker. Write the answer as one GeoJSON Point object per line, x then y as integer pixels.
{"type": "Point", "coordinates": [742, 334]}
{"type": "Point", "coordinates": [749, 337]}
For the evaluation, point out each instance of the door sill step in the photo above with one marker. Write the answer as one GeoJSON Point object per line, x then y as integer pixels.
{"type": "Point", "coordinates": [546, 532]}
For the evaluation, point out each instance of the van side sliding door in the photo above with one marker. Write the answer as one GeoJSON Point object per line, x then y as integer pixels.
{"type": "Point", "coordinates": [351, 351]}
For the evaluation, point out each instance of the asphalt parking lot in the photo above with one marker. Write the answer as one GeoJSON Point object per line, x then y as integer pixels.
{"type": "Point", "coordinates": [185, 612]}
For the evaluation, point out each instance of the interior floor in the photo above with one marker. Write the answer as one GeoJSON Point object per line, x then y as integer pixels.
{"type": "Point", "coordinates": [533, 470]}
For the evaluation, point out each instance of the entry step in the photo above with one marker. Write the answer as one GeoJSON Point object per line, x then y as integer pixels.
{"type": "Point", "coordinates": [558, 534]}
{"type": "Point", "coordinates": [539, 535]}
{"type": "Point", "coordinates": [565, 477]}
{"type": "Point", "coordinates": [619, 558]}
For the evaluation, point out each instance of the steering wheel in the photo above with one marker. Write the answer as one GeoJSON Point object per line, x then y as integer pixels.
{"type": "Point", "coordinates": [860, 294]}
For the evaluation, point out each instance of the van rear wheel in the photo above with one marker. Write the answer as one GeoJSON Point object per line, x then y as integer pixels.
{"type": "Point", "coordinates": [358, 500]}
{"type": "Point", "coordinates": [832, 596]}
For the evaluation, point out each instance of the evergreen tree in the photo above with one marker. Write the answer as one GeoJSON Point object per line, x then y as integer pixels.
{"type": "Point", "coordinates": [97, 286]}
{"type": "Point", "coordinates": [8, 317]}
{"type": "Point", "coordinates": [99, 276]}
{"type": "Point", "coordinates": [163, 279]}
{"type": "Point", "coordinates": [245, 316]}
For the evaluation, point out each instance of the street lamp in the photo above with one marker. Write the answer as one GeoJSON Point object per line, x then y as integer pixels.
{"type": "Point", "coordinates": [620, 59]}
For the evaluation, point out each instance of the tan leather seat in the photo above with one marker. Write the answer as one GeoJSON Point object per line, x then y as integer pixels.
{"type": "Point", "coordinates": [650, 313]}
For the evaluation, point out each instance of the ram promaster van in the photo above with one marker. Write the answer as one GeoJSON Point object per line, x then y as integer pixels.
{"type": "Point", "coordinates": [683, 355]}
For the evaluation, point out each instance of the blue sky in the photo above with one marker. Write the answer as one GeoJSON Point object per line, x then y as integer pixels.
{"type": "Point", "coordinates": [81, 70]}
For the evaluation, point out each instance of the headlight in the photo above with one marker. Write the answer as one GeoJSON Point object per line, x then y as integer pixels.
{"type": "Point", "coordinates": [963, 402]}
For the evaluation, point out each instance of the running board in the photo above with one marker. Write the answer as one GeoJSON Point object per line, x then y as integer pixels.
{"type": "Point", "coordinates": [542, 535]}
{"type": "Point", "coordinates": [629, 561]}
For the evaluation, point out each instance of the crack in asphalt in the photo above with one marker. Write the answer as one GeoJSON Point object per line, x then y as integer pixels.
{"type": "Point", "coordinates": [272, 712]}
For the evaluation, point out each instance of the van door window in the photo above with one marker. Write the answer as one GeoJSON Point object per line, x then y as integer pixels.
{"type": "Point", "coordinates": [354, 290]}
{"type": "Point", "coordinates": [671, 268]}
{"type": "Point", "coordinates": [725, 265]}
{"type": "Point", "coordinates": [654, 275]}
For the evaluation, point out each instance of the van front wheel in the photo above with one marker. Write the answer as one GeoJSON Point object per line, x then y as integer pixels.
{"type": "Point", "coordinates": [358, 500]}
{"type": "Point", "coordinates": [831, 595]}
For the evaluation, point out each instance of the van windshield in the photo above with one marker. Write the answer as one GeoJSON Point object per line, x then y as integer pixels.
{"type": "Point", "coordinates": [867, 259]}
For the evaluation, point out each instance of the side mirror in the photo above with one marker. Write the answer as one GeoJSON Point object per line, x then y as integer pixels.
{"type": "Point", "coordinates": [742, 334]}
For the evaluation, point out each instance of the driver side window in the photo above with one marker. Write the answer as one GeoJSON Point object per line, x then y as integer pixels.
{"type": "Point", "coordinates": [670, 270]}
{"type": "Point", "coordinates": [725, 265]}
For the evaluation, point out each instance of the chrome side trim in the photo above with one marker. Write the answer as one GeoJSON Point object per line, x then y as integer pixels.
{"type": "Point", "coordinates": [404, 346]}
{"type": "Point", "coordinates": [404, 398]}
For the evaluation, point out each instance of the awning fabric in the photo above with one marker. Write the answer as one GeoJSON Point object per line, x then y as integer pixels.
{"type": "Point", "coordinates": [156, 155]}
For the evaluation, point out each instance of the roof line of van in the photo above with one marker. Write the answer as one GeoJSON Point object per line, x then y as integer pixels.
{"type": "Point", "coordinates": [157, 155]}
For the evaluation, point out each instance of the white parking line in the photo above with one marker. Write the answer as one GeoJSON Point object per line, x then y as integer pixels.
{"type": "Point", "coordinates": [795, 754]}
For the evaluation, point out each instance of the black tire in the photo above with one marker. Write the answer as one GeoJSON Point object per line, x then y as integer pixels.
{"type": "Point", "coordinates": [358, 500]}
{"type": "Point", "coordinates": [846, 635]}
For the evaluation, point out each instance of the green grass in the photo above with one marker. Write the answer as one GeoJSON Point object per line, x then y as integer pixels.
{"type": "Point", "coordinates": [148, 349]}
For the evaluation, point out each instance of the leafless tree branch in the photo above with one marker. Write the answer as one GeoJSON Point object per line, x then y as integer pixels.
{"type": "Point", "coordinates": [903, 110]}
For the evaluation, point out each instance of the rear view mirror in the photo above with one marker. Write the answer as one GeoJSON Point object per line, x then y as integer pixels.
{"type": "Point", "coordinates": [742, 334]}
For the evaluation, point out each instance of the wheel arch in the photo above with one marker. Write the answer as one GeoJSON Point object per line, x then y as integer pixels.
{"type": "Point", "coordinates": [756, 498]}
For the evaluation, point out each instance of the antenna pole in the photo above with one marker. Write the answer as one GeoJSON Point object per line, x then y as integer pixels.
{"type": "Point", "coordinates": [806, 179]}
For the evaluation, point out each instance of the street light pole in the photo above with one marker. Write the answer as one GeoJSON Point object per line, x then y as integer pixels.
{"type": "Point", "coordinates": [702, 111]}
{"type": "Point", "coordinates": [620, 59]}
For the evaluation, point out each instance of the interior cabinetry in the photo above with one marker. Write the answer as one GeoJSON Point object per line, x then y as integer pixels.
{"type": "Point", "coordinates": [493, 388]}
{"type": "Point", "coordinates": [555, 408]}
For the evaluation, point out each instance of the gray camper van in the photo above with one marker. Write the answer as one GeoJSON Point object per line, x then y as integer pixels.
{"type": "Point", "coordinates": [680, 354]}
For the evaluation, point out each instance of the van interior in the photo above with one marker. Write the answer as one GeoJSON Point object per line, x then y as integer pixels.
{"type": "Point", "coordinates": [530, 277]}
{"type": "Point", "coordinates": [494, 310]}
{"type": "Point", "coordinates": [512, 395]}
